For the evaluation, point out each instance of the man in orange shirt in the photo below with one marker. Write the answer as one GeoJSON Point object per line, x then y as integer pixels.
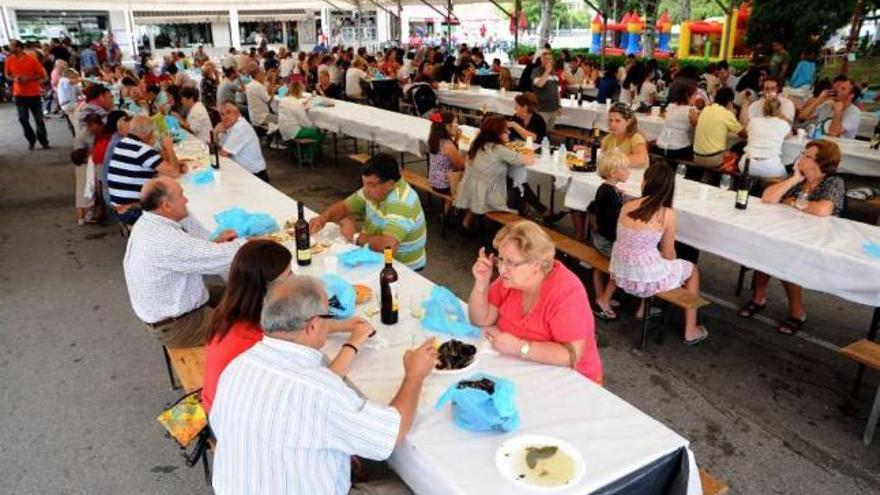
{"type": "Point", "coordinates": [27, 76]}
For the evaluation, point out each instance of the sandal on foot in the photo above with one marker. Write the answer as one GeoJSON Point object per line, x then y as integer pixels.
{"type": "Point", "coordinates": [751, 308]}
{"type": "Point", "coordinates": [791, 326]}
{"type": "Point", "coordinates": [604, 314]}
{"type": "Point", "coordinates": [704, 334]}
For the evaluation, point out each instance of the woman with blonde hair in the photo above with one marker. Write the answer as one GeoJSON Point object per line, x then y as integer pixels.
{"type": "Point", "coordinates": [293, 120]}
{"type": "Point", "coordinates": [767, 134]}
{"type": "Point", "coordinates": [536, 309]}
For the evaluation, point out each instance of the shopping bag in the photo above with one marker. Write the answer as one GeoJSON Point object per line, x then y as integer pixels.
{"type": "Point", "coordinates": [444, 314]}
{"type": "Point", "coordinates": [341, 295]}
{"type": "Point", "coordinates": [89, 187]}
{"type": "Point", "coordinates": [483, 403]}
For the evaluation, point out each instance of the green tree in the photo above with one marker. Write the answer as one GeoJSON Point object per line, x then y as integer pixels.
{"type": "Point", "coordinates": [794, 21]}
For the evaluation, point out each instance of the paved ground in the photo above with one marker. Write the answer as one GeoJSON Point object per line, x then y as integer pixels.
{"type": "Point", "coordinates": [81, 382]}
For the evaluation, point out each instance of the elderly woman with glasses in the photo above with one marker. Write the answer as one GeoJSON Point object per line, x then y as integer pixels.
{"type": "Point", "coordinates": [537, 308]}
{"type": "Point", "coordinates": [815, 189]}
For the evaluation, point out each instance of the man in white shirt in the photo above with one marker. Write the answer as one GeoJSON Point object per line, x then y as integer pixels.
{"type": "Point", "coordinates": [353, 77]}
{"type": "Point", "coordinates": [197, 120]}
{"type": "Point", "coordinates": [834, 112]}
{"type": "Point", "coordinates": [239, 141]}
{"type": "Point", "coordinates": [769, 89]}
{"type": "Point", "coordinates": [258, 100]}
{"type": "Point", "coordinates": [286, 424]}
{"type": "Point", "coordinates": [166, 257]}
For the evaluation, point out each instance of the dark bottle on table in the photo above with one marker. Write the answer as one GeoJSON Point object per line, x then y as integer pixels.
{"type": "Point", "coordinates": [301, 232]}
{"type": "Point", "coordinates": [581, 95]}
{"type": "Point", "coordinates": [388, 290]}
{"type": "Point", "coordinates": [595, 145]}
{"type": "Point", "coordinates": [214, 150]}
{"type": "Point", "coordinates": [743, 186]}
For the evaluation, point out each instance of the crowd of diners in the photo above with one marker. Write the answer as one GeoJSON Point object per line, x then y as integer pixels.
{"type": "Point", "coordinates": [283, 417]}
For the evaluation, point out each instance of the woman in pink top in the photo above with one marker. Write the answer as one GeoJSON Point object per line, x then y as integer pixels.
{"type": "Point", "coordinates": [236, 320]}
{"type": "Point", "coordinates": [537, 308]}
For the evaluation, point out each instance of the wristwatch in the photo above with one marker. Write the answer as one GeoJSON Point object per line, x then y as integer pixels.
{"type": "Point", "coordinates": [524, 349]}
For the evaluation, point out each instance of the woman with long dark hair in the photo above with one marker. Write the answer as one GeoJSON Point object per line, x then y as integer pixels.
{"type": "Point", "coordinates": [236, 319]}
{"type": "Point", "coordinates": [445, 159]}
{"type": "Point", "coordinates": [483, 188]}
{"type": "Point", "coordinates": [643, 260]}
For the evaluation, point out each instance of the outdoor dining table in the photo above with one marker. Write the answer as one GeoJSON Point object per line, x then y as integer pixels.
{"type": "Point", "coordinates": [623, 448]}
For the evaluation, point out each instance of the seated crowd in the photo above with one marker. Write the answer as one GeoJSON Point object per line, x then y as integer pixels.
{"type": "Point", "coordinates": [536, 309]}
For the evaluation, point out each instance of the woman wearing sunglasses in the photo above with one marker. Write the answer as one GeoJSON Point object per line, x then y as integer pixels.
{"type": "Point", "coordinates": [537, 308]}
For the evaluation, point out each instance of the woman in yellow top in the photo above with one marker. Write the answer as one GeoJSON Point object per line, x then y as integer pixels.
{"type": "Point", "coordinates": [623, 134]}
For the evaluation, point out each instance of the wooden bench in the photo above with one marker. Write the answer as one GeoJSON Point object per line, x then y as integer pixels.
{"type": "Point", "coordinates": [590, 255]}
{"type": "Point", "coordinates": [867, 353]}
{"type": "Point", "coordinates": [297, 144]}
{"type": "Point", "coordinates": [420, 183]}
{"type": "Point", "coordinates": [188, 364]}
{"type": "Point", "coordinates": [712, 485]}
{"type": "Point", "coordinates": [579, 136]}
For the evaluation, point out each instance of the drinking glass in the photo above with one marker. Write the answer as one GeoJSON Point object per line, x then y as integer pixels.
{"type": "Point", "coordinates": [801, 202]}
{"type": "Point", "coordinates": [726, 182]}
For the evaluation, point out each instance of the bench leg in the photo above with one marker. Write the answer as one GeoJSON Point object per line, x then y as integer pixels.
{"type": "Point", "coordinates": [643, 344]}
{"type": "Point", "coordinates": [872, 336]}
{"type": "Point", "coordinates": [336, 148]}
{"type": "Point", "coordinates": [173, 379]}
{"type": "Point", "coordinates": [872, 419]}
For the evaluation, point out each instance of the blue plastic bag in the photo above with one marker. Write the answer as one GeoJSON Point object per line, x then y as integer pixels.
{"type": "Point", "coordinates": [443, 313]}
{"type": "Point", "coordinates": [477, 410]}
{"type": "Point", "coordinates": [341, 295]}
{"type": "Point", "coordinates": [360, 256]}
{"type": "Point", "coordinates": [202, 177]}
{"type": "Point", "coordinates": [243, 223]}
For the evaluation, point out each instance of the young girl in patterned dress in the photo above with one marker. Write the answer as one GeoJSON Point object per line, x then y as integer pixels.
{"type": "Point", "coordinates": [643, 261]}
{"type": "Point", "coordinates": [446, 162]}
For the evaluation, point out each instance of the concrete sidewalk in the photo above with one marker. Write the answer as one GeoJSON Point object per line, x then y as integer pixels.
{"type": "Point", "coordinates": [81, 381]}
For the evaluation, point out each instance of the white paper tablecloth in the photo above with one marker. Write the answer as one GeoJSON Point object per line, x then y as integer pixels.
{"type": "Point", "coordinates": [437, 457]}
{"type": "Point", "coordinates": [819, 253]}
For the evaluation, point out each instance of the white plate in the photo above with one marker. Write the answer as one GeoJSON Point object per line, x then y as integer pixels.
{"type": "Point", "coordinates": [461, 370]}
{"type": "Point", "coordinates": [505, 461]}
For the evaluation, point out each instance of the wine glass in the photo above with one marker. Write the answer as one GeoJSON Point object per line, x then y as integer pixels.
{"type": "Point", "coordinates": [801, 202]}
{"type": "Point", "coordinates": [726, 182]}
{"type": "Point", "coordinates": [681, 170]}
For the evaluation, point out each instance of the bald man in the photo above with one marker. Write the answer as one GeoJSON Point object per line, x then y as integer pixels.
{"type": "Point", "coordinates": [166, 257]}
{"type": "Point", "coordinates": [239, 141]}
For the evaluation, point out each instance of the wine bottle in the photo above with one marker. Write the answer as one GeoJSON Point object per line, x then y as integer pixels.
{"type": "Point", "coordinates": [214, 150]}
{"type": "Point", "coordinates": [301, 232]}
{"type": "Point", "coordinates": [595, 145]}
{"type": "Point", "coordinates": [388, 289]}
{"type": "Point", "coordinates": [581, 95]}
{"type": "Point", "coordinates": [743, 186]}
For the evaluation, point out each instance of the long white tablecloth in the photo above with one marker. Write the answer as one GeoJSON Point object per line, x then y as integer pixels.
{"type": "Point", "coordinates": [822, 254]}
{"type": "Point", "coordinates": [437, 457]}
{"type": "Point", "coordinates": [857, 159]}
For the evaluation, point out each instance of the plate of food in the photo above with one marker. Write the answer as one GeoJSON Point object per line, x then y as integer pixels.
{"type": "Point", "coordinates": [362, 293]}
{"type": "Point", "coordinates": [455, 356]}
{"type": "Point", "coordinates": [520, 147]}
{"type": "Point", "coordinates": [540, 463]}
{"type": "Point", "coordinates": [576, 164]}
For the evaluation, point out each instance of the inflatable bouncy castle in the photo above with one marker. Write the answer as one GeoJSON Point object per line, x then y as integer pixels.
{"type": "Point", "coordinates": [702, 39]}
{"type": "Point", "coordinates": [625, 37]}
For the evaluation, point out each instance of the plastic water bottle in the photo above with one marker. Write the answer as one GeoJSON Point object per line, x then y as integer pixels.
{"type": "Point", "coordinates": [681, 170]}
{"type": "Point", "coordinates": [545, 148]}
{"type": "Point", "coordinates": [563, 154]}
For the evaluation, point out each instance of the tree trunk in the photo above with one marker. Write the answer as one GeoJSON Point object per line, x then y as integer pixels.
{"type": "Point", "coordinates": [853, 36]}
{"type": "Point", "coordinates": [650, 7]}
{"type": "Point", "coordinates": [685, 10]}
{"type": "Point", "coordinates": [546, 22]}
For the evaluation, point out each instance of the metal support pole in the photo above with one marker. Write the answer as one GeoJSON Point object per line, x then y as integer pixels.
{"type": "Point", "coordinates": [517, 9]}
{"type": "Point", "coordinates": [448, 25]}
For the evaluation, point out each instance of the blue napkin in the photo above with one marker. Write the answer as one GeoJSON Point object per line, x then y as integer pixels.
{"type": "Point", "coordinates": [245, 224]}
{"type": "Point", "coordinates": [872, 249]}
{"type": "Point", "coordinates": [360, 256]}
{"type": "Point", "coordinates": [341, 295]}
{"type": "Point", "coordinates": [282, 91]}
{"type": "Point", "coordinates": [202, 177]}
{"type": "Point", "coordinates": [477, 410]}
{"type": "Point", "coordinates": [443, 313]}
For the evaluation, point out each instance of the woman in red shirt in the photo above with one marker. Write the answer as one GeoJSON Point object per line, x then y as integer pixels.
{"type": "Point", "coordinates": [236, 320]}
{"type": "Point", "coordinates": [537, 308]}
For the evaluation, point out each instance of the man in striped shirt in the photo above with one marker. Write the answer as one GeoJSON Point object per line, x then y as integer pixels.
{"type": "Point", "coordinates": [134, 161]}
{"type": "Point", "coordinates": [285, 423]}
{"type": "Point", "coordinates": [392, 213]}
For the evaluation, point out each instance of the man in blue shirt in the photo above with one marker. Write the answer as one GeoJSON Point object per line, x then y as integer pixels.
{"type": "Point", "coordinates": [88, 59]}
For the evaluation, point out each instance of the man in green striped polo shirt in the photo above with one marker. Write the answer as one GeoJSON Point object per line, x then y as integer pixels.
{"type": "Point", "coordinates": [392, 213]}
